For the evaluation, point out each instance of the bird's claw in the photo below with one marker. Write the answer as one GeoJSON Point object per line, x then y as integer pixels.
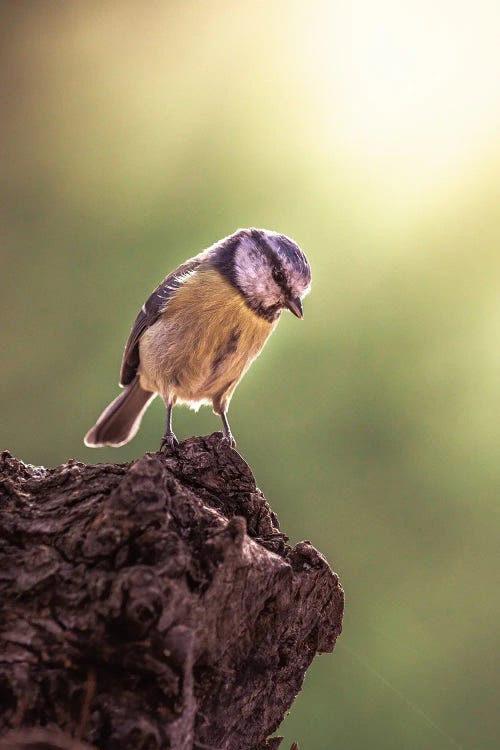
{"type": "Point", "coordinates": [228, 438]}
{"type": "Point", "coordinates": [168, 441]}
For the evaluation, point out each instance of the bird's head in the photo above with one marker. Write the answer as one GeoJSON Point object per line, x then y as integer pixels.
{"type": "Point", "coordinates": [268, 268]}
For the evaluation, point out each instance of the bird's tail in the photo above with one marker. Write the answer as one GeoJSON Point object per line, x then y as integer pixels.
{"type": "Point", "coordinates": [120, 420]}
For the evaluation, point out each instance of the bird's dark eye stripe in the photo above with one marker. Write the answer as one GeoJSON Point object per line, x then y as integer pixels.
{"type": "Point", "coordinates": [278, 275]}
{"type": "Point", "coordinates": [293, 252]}
{"type": "Point", "coordinates": [278, 271]}
{"type": "Point", "coordinates": [265, 248]}
{"type": "Point", "coordinates": [296, 255]}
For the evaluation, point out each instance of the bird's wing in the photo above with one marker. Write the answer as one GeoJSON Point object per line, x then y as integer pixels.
{"type": "Point", "coordinates": [149, 314]}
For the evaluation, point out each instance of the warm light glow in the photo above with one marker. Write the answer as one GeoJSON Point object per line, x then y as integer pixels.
{"type": "Point", "coordinates": [412, 86]}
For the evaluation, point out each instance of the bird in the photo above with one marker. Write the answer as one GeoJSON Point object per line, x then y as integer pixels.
{"type": "Point", "coordinates": [201, 329]}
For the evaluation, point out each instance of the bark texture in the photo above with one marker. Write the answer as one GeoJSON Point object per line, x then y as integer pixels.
{"type": "Point", "coordinates": [154, 604]}
{"type": "Point", "coordinates": [42, 739]}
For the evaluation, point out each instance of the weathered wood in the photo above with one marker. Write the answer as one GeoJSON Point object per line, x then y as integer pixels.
{"type": "Point", "coordinates": [155, 604]}
{"type": "Point", "coordinates": [41, 739]}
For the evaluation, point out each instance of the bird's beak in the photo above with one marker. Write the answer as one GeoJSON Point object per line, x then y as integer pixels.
{"type": "Point", "coordinates": [295, 306]}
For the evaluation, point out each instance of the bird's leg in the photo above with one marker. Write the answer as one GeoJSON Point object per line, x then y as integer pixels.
{"type": "Point", "coordinates": [227, 430]}
{"type": "Point", "coordinates": [169, 437]}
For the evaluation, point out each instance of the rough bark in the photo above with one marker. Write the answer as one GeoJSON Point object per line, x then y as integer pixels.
{"type": "Point", "coordinates": [154, 604]}
{"type": "Point", "coordinates": [42, 739]}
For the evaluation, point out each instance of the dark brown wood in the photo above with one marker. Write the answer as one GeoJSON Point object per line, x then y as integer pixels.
{"type": "Point", "coordinates": [154, 604]}
{"type": "Point", "coordinates": [41, 739]}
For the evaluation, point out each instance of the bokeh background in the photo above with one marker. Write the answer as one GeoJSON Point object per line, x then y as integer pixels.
{"type": "Point", "coordinates": [133, 135]}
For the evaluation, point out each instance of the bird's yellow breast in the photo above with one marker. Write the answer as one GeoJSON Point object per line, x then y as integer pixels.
{"type": "Point", "coordinates": [203, 343]}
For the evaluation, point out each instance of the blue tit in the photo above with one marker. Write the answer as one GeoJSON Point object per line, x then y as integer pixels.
{"type": "Point", "coordinates": [202, 327]}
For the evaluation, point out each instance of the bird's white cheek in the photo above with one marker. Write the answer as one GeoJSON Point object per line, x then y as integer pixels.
{"type": "Point", "coordinates": [269, 293]}
{"type": "Point", "coordinates": [305, 292]}
{"type": "Point", "coordinates": [262, 290]}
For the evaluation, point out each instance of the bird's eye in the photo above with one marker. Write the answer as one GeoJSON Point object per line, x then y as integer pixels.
{"type": "Point", "coordinates": [278, 275]}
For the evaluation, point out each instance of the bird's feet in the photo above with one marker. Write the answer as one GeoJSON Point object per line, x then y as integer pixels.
{"type": "Point", "coordinates": [228, 438]}
{"type": "Point", "coordinates": [168, 441]}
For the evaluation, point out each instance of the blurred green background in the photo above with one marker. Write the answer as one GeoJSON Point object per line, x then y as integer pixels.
{"type": "Point", "coordinates": [135, 134]}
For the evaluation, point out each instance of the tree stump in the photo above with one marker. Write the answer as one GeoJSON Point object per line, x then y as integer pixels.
{"type": "Point", "coordinates": [154, 604]}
